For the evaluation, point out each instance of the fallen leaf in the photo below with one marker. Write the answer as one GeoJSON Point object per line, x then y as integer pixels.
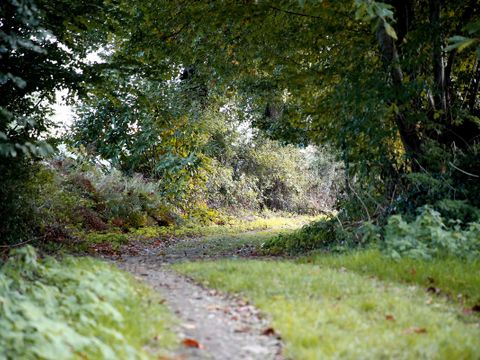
{"type": "Point", "coordinates": [389, 317]}
{"type": "Point", "coordinates": [415, 330]}
{"type": "Point", "coordinates": [192, 343]}
{"type": "Point", "coordinates": [413, 271]}
{"type": "Point", "coordinates": [268, 331]}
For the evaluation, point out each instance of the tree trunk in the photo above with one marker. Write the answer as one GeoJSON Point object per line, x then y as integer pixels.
{"type": "Point", "coordinates": [408, 133]}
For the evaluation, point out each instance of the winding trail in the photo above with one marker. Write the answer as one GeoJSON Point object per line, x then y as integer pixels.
{"type": "Point", "coordinates": [213, 325]}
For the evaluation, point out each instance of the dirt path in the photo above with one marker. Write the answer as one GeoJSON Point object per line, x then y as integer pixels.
{"type": "Point", "coordinates": [213, 326]}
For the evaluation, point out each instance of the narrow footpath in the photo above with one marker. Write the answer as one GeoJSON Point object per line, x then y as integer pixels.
{"type": "Point", "coordinates": [212, 325]}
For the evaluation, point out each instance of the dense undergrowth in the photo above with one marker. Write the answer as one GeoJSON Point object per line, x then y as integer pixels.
{"type": "Point", "coordinates": [426, 236]}
{"type": "Point", "coordinates": [74, 199]}
{"type": "Point", "coordinates": [77, 308]}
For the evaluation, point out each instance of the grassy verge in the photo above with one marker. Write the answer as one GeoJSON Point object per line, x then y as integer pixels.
{"type": "Point", "coordinates": [324, 312]}
{"type": "Point", "coordinates": [458, 280]}
{"type": "Point", "coordinates": [229, 244]}
{"type": "Point", "coordinates": [111, 241]}
{"type": "Point", "coordinates": [77, 308]}
{"type": "Point", "coordinates": [233, 227]}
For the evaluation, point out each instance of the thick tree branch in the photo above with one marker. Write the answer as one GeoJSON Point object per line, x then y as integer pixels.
{"type": "Point", "coordinates": [440, 95]}
{"type": "Point", "coordinates": [408, 133]}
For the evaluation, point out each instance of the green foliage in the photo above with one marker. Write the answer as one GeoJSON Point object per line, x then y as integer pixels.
{"type": "Point", "coordinates": [457, 210]}
{"type": "Point", "coordinates": [264, 174]}
{"type": "Point", "coordinates": [314, 72]}
{"type": "Point", "coordinates": [429, 237]}
{"type": "Point", "coordinates": [325, 234]}
{"type": "Point", "coordinates": [145, 126]}
{"type": "Point", "coordinates": [103, 193]}
{"type": "Point", "coordinates": [76, 308]}
{"type": "Point", "coordinates": [41, 51]}
{"type": "Point", "coordinates": [226, 191]}
{"type": "Point", "coordinates": [17, 195]}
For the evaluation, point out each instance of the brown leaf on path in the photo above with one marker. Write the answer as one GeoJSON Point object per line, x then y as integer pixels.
{"type": "Point", "coordinates": [389, 317]}
{"type": "Point", "coordinates": [415, 330]}
{"type": "Point", "coordinates": [268, 331]}
{"type": "Point", "coordinates": [192, 343]}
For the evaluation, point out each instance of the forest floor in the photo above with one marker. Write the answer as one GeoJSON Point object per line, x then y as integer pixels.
{"type": "Point", "coordinates": [234, 303]}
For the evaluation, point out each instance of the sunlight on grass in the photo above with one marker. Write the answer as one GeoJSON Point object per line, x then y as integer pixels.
{"type": "Point", "coordinates": [332, 313]}
{"type": "Point", "coordinates": [457, 279]}
{"type": "Point", "coordinates": [233, 227]}
{"type": "Point", "coordinates": [227, 245]}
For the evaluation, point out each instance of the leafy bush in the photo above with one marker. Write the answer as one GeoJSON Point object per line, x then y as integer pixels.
{"type": "Point", "coordinates": [17, 196]}
{"type": "Point", "coordinates": [129, 198]}
{"type": "Point", "coordinates": [264, 174]}
{"type": "Point", "coordinates": [326, 234]}
{"type": "Point", "coordinates": [75, 308]}
{"type": "Point", "coordinates": [429, 237]}
{"type": "Point", "coordinates": [457, 210]}
{"type": "Point", "coordinates": [226, 192]}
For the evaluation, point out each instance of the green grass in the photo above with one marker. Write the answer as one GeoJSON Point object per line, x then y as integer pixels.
{"type": "Point", "coordinates": [78, 308]}
{"type": "Point", "coordinates": [228, 244]}
{"type": "Point", "coordinates": [458, 280]}
{"type": "Point", "coordinates": [328, 313]}
{"type": "Point", "coordinates": [233, 227]}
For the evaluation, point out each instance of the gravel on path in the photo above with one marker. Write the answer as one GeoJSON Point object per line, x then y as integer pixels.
{"type": "Point", "coordinates": [213, 325]}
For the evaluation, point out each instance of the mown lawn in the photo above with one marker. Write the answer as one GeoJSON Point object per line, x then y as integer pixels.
{"type": "Point", "coordinates": [324, 311]}
{"type": "Point", "coordinates": [455, 279]}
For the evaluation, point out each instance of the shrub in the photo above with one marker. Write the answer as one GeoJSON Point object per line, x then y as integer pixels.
{"type": "Point", "coordinates": [264, 174]}
{"type": "Point", "coordinates": [457, 210]}
{"type": "Point", "coordinates": [75, 308]}
{"type": "Point", "coordinates": [429, 237]}
{"type": "Point", "coordinates": [225, 192]}
{"type": "Point", "coordinates": [17, 198]}
{"type": "Point", "coordinates": [326, 234]}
